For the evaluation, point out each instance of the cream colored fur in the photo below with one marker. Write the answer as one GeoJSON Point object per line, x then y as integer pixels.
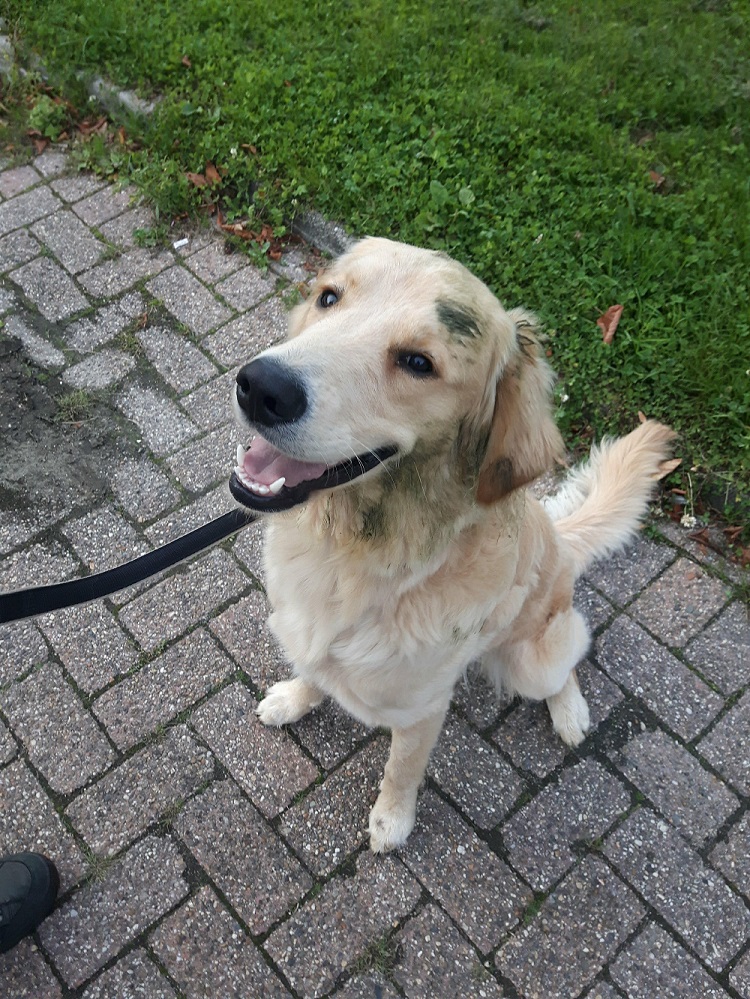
{"type": "Point", "coordinates": [383, 590]}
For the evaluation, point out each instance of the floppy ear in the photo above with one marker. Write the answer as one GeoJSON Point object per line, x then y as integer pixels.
{"type": "Point", "coordinates": [524, 440]}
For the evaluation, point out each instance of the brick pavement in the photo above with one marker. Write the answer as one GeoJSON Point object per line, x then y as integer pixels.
{"type": "Point", "coordinates": [201, 853]}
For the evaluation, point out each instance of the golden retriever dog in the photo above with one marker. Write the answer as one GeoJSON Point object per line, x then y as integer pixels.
{"type": "Point", "coordinates": [395, 431]}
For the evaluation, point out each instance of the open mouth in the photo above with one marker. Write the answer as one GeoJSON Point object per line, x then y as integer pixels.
{"type": "Point", "coordinates": [265, 479]}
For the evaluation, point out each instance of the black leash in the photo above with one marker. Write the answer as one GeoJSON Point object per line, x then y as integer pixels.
{"type": "Point", "coordinates": [41, 599]}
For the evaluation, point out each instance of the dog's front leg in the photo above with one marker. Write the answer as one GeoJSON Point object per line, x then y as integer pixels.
{"type": "Point", "coordinates": [288, 701]}
{"type": "Point", "coordinates": [393, 814]}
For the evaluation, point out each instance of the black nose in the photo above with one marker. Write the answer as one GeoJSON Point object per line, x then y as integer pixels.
{"type": "Point", "coordinates": [269, 393]}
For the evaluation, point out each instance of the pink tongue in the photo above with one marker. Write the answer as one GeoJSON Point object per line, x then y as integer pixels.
{"type": "Point", "coordinates": [264, 464]}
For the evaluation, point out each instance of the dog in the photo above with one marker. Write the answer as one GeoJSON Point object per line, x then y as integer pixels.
{"type": "Point", "coordinates": [395, 432]}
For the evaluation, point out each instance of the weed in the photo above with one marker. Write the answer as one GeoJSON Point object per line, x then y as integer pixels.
{"type": "Point", "coordinates": [73, 407]}
{"type": "Point", "coordinates": [96, 866]}
{"type": "Point", "coordinates": [380, 957]}
{"type": "Point", "coordinates": [48, 117]}
{"type": "Point", "coordinates": [157, 235]}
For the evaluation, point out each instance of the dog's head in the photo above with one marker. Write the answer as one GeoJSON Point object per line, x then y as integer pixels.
{"type": "Point", "coordinates": [397, 352]}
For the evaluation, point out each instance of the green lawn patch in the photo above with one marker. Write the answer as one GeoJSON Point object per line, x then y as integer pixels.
{"type": "Point", "coordinates": [573, 155]}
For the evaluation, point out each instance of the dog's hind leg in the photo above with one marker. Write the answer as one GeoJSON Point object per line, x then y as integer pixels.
{"type": "Point", "coordinates": [393, 814]}
{"type": "Point", "coordinates": [288, 701]}
{"type": "Point", "coordinates": [544, 669]}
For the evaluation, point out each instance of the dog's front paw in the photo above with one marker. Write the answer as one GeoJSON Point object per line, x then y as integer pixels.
{"type": "Point", "coordinates": [286, 702]}
{"type": "Point", "coordinates": [391, 821]}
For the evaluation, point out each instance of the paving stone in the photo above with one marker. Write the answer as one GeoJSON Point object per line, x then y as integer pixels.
{"type": "Point", "coordinates": [177, 360]}
{"type": "Point", "coordinates": [243, 855]}
{"type": "Point", "coordinates": [207, 461]}
{"type": "Point", "coordinates": [101, 919]}
{"type": "Point", "coordinates": [7, 300]}
{"type": "Point", "coordinates": [243, 631]}
{"type": "Point", "coordinates": [680, 602]}
{"type": "Point", "coordinates": [595, 609]}
{"type": "Point", "coordinates": [189, 517]}
{"type": "Point", "coordinates": [16, 529]}
{"type": "Point", "coordinates": [143, 490]}
{"type": "Point", "coordinates": [103, 539]}
{"type": "Point", "coordinates": [263, 761]}
{"type": "Point", "coordinates": [17, 179]}
{"type": "Point", "coordinates": [8, 748]}
{"type": "Point", "coordinates": [243, 338]}
{"type": "Point", "coordinates": [477, 699]}
{"type": "Point", "coordinates": [58, 734]}
{"type": "Point", "coordinates": [576, 931]}
{"type": "Point", "coordinates": [331, 822]}
{"type": "Point", "coordinates": [99, 371]}
{"type": "Point", "coordinates": [121, 230]}
{"type": "Point", "coordinates": [691, 541]}
{"type": "Point", "coordinates": [21, 647]}
{"type": "Point", "coordinates": [36, 565]}
{"type": "Point", "coordinates": [526, 736]}
{"type": "Point", "coordinates": [94, 331]}
{"type": "Point", "coordinates": [722, 651]}
{"type": "Point", "coordinates": [215, 261]}
{"type": "Point", "coordinates": [18, 248]}
{"type": "Point", "coordinates": [348, 914]}
{"type": "Point", "coordinates": [72, 243]}
{"type": "Point", "coordinates": [27, 208]}
{"type": "Point", "coordinates": [602, 991]}
{"type": "Point", "coordinates": [190, 595]}
{"type": "Point", "coordinates": [720, 746]}
{"type": "Point", "coordinates": [159, 691]}
{"type": "Point", "coordinates": [36, 347]}
{"type": "Point", "coordinates": [622, 575]}
{"type": "Point", "coordinates": [648, 670]}
{"type": "Point", "coordinates": [683, 791]}
{"type": "Point", "coordinates": [248, 548]}
{"type": "Point", "coordinates": [209, 406]}
{"type": "Point", "coordinates": [740, 977]}
{"type": "Point", "coordinates": [435, 960]}
{"type": "Point", "coordinates": [114, 276]}
{"type": "Point", "coordinates": [47, 285]}
{"type": "Point", "coordinates": [330, 734]}
{"type": "Point", "coordinates": [656, 965]}
{"type": "Point", "coordinates": [51, 163]}
{"type": "Point", "coordinates": [246, 288]}
{"type": "Point", "coordinates": [475, 776]}
{"type": "Point", "coordinates": [207, 953]}
{"type": "Point", "coordinates": [671, 876]}
{"type": "Point", "coordinates": [77, 186]}
{"type": "Point", "coordinates": [477, 890]}
{"type": "Point", "coordinates": [104, 205]}
{"type": "Point", "coordinates": [135, 976]}
{"type": "Point", "coordinates": [28, 821]}
{"type": "Point", "coordinates": [192, 238]}
{"type": "Point", "coordinates": [90, 643]}
{"type": "Point", "coordinates": [188, 300]}
{"type": "Point", "coordinates": [163, 426]}
{"type": "Point", "coordinates": [732, 857]}
{"type": "Point", "coordinates": [26, 974]}
{"type": "Point", "coordinates": [147, 786]}
{"type": "Point", "coordinates": [545, 836]}
{"type": "Point", "coordinates": [298, 265]}
{"type": "Point", "coordinates": [369, 986]}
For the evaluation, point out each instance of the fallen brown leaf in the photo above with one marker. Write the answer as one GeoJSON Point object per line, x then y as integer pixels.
{"type": "Point", "coordinates": [657, 179]}
{"type": "Point", "coordinates": [186, 62]}
{"type": "Point", "coordinates": [212, 174]}
{"type": "Point", "coordinates": [196, 178]}
{"type": "Point", "coordinates": [609, 321]}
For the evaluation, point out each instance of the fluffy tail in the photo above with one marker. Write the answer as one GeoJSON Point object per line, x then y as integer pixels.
{"type": "Point", "coordinates": [602, 502]}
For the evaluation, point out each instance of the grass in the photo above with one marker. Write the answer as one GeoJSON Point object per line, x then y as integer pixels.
{"type": "Point", "coordinates": [573, 155]}
{"type": "Point", "coordinates": [73, 407]}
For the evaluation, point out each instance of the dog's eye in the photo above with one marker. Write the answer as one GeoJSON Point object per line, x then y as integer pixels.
{"type": "Point", "coordinates": [417, 364]}
{"type": "Point", "coordinates": [327, 298]}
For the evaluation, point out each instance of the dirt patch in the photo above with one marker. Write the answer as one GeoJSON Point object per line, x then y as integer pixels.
{"type": "Point", "coordinates": [48, 464]}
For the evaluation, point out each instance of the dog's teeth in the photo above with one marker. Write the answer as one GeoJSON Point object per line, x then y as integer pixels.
{"type": "Point", "coordinates": [240, 454]}
{"type": "Point", "coordinates": [276, 486]}
{"type": "Point", "coordinates": [258, 488]}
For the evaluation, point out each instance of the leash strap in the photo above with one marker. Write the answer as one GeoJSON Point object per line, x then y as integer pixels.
{"type": "Point", "coordinates": [41, 599]}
